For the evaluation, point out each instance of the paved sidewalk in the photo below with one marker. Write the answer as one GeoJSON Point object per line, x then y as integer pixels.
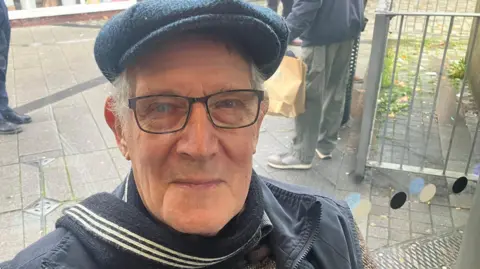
{"type": "Point", "coordinates": [69, 153]}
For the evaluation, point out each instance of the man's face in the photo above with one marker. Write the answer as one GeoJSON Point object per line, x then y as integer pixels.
{"type": "Point", "coordinates": [197, 179]}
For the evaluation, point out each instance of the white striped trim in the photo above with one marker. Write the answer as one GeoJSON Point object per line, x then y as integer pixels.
{"type": "Point", "coordinates": [125, 246]}
{"type": "Point", "coordinates": [141, 244]}
{"type": "Point", "coordinates": [125, 191]}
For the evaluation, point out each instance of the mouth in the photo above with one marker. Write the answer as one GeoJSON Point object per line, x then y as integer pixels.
{"type": "Point", "coordinates": [198, 183]}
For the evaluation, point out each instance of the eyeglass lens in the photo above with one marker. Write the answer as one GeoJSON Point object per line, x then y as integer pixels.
{"type": "Point", "coordinates": [161, 114]}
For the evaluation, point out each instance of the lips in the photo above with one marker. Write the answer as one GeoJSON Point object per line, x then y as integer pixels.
{"type": "Point", "coordinates": [197, 183]}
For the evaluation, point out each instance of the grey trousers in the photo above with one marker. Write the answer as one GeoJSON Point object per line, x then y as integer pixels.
{"type": "Point", "coordinates": [327, 76]}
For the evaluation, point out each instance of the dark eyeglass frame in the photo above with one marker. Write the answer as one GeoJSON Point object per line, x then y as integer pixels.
{"type": "Point", "coordinates": [132, 104]}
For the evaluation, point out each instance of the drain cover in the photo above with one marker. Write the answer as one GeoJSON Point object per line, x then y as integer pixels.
{"type": "Point", "coordinates": [48, 206]}
{"type": "Point", "coordinates": [439, 251]}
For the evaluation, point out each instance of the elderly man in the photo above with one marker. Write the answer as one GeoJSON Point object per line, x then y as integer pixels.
{"type": "Point", "coordinates": [187, 107]}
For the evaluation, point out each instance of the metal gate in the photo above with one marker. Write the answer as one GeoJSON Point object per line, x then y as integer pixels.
{"type": "Point", "coordinates": [420, 114]}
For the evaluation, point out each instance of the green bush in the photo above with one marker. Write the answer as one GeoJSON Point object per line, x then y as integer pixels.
{"type": "Point", "coordinates": [456, 73]}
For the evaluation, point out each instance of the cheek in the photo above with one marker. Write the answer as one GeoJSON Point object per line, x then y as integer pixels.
{"type": "Point", "coordinates": [239, 145]}
{"type": "Point", "coordinates": [149, 154]}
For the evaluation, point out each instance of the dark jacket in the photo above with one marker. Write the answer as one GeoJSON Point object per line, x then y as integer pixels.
{"type": "Point", "coordinates": [310, 231]}
{"type": "Point", "coordinates": [324, 22]}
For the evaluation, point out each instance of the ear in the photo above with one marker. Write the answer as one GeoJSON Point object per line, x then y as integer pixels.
{"type": "Point", "coordinates": [258, 125]}
{"type": "Point", "coordinates": [116, 127]}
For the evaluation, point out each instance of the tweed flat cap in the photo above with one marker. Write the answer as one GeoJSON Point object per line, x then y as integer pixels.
{"type": "Point", "coordinates": [260, 32]}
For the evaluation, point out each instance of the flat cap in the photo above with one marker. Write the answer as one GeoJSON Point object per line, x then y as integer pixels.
{"type": "Point", "coordinates": [260, 32]}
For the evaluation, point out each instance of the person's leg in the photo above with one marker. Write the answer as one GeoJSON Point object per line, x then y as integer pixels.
{"type": "Point", "coordinates": [338, 59]}
{"type": "Point", "coordinates": [287, 7]}
{"type": "Point", "coordinates": [307, 123]}
{"type": "Point", "coordinates": [273, 5]}
{"type": "Point", "coordinates": [8, 117]}
{"type": "Point", "coordinates": [5, 126]}
{"type": "Point", "coordinates": [4, 47]}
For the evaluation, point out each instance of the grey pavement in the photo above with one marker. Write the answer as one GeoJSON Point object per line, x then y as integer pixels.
{"type": "Point", "coordinates": [69, 153]}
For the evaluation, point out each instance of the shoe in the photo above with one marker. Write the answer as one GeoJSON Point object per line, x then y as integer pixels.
{"type": "Point", "coordinates": [323, 156]}
{"type": "Point", "coordinates": [9, 128]}
{"type": "Point", "coordinates": [13, 117]}
{"type": "Point", "coordinates": [287, 161]}
{"type": "Point", "coordinates": [357, 79]}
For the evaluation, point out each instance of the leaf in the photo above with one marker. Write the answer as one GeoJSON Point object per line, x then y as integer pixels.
{"type": "Point", "coordinates": [400, 83]}
{"type": "Point", "coordinates": [403, 99]}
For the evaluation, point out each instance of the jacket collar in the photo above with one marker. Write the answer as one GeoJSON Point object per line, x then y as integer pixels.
{"type": "Point", "coordinates": [295, 217]}
{"type": "Point", "coordinates": [291, 219]}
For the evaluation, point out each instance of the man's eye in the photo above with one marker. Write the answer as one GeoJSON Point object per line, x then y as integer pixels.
{"type": "Point", "coordinates": [228, 104]}
{"type": "Point", "coordinates": [162, 108]}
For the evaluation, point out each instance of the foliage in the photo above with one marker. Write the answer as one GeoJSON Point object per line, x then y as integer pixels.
{"type": "Point", "coordinates": [456, 73]}
{"type": "Point", "coordinates": [400, 92]}
{"type": "Point", "coordinates": [457, 69]}
{"type": "Point", "coordinates": [399, 100]}
{"type": "Point", "coordinates": [388, 68]}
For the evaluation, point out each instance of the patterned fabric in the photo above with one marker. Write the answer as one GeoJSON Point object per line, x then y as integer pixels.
{"type": "Point", "coordinates": [367, 259]}
{"type": "Point", "coordinates": [265, 264]}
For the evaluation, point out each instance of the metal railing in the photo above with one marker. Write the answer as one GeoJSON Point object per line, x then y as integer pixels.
{"type": "Point", "coordinates": [438, 25]}
{"type": "Point", "coordinates": [420, 115]}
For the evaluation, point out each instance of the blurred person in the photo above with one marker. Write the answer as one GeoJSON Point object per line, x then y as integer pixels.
{"type": "Point", "coordinates": [327, 29]}
{"type": "Point", "coordinates": [186, 108]}
{"type": "Point", "coordinates": [9, 119]}
{"type": "Point", "coordinates": [287, 6]}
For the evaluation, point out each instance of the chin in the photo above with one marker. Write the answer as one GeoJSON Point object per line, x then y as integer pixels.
{"type": "Point", "coordinates": [198, 223]}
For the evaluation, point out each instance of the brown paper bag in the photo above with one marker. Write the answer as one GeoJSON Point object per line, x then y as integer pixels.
{"type": "Point", "coordinates": [286, 88]}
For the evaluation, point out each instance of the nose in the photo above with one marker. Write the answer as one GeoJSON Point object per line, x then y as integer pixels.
{"type": "Point", "coordinates": [198, 139]}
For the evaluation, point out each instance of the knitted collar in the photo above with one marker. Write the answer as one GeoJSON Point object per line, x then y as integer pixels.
{"type": "Point", "coordinates": [122, 234]}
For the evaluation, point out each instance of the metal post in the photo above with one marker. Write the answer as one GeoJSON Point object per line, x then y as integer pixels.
{"type": "Point", "coordinates": [468, 257]}
{"type": "Point", "coordinates": [375, 68]}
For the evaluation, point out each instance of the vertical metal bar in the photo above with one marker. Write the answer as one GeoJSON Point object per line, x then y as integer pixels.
{"type": "Point", "coordinates": [467, 67]}
{"type": "Point", "coordinates": [437, 90]}
{"type": "Point", "coordinates": [391, 88]}
{"type": "Point", "coordinates": [473, 147]}
{"type": "Point", "coordinates": [434, 18]}
{"type": "Point", "coordinates": [375, 67]}
{"type": "Point", "coordinates": [398, 10]}
{"type": "Point", "coordinates": [464, 18]}
{"type": "Point", "coordinates": [446, 10]}
{"type": "Point", "coordinates": [415, 19]}
{"type": "Point", "coordinates": [468, 257]}
{"type": "Point", "coordinates": [412, 102]}
{"type": "Point", "coordinates": [408, 10]}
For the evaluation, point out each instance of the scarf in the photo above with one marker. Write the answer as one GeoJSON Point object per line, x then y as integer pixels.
{"type": "Point", "coordinates": [122, 234]}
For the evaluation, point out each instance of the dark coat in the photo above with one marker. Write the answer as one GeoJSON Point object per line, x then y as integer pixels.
{"type": "Point", "coordinates": [324, 22]}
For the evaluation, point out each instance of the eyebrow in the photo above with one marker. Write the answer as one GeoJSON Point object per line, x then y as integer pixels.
{"type": "Point", "coordinates": [153, 91]}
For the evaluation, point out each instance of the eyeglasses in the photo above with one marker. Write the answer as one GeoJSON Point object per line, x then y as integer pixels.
{"type": "Point", "coordinates": [166, 113]}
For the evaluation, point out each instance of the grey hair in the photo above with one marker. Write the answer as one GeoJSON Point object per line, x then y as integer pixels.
{"type": "Point", "coordinates": [122, 91]}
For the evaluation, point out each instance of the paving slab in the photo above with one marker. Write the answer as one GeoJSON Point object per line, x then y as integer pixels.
{"type": "Point", "coordinates": [46, 132]}
{"type": "Point", "coordinates": [9, 151]}
{"type": "Point", "coordinates": [78, 130]}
